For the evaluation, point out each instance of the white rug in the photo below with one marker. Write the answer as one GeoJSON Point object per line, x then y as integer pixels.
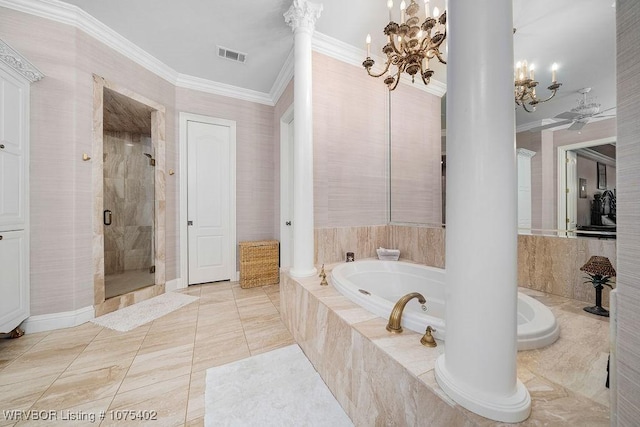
{"type": "Point", "coordinates": [278, 388]}
{"type": "Point", "coordinates": [131, 317]}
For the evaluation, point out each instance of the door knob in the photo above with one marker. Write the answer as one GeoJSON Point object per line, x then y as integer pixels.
{"type": "Point", "coordinates": [287, 223]}
{"type": "Point", "coordinates": [189, 223]}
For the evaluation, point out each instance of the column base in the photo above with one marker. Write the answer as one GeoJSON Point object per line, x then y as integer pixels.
{"type": "Point", "coordinates": [295, 272]}
{"type": "Point", "coordinates": [508, 409]}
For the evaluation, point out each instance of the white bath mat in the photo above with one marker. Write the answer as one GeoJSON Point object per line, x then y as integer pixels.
{"type": "Point", "coordinates": [131, 317]}
{"type": "Point", "coordinates": [278, 388]}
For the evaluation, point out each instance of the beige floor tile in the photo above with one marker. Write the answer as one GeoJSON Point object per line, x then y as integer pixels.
{"type": "Point", "coordinates": [73, 389]}
{"type": "Point", "coordinates": [21, 396]}
{"type": "Point", "coordinates": [193, 290]}
{"type": "Point", "coordinates": [166, 341]}
{"type": "Point", "coordinates": [216, 316]}
{"type": "Point", "coordinates": [11, 349]}
{"type": "Point", "coordinates": [198, 422]}
{"type": "Point", "coordinates": [255, 307]}
{"type": "Point", "coordinates": [40, 362]}
{"type": "Point", "coordinates": [157, 366]}
{"type": "Point", "coordinates": [266, 334]}
{"type": "Point", "coordinates": [104, 353]}
{"type": "Point", "coordinates": [240, 293]}
{"type": "Point", "coordinates": [218, 350]}
{"type": "Point", "coordinates": [195, 407]}
{"type": "Point", "coordinates": [167, 400]}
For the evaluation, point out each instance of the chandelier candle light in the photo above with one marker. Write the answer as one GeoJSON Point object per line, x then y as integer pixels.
{"type": "Point", "coordinates": [525, 86]}
{"type": "Point", "coordinates": [411, 44]}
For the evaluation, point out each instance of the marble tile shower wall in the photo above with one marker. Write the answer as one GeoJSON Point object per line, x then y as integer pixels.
{"type": "Point", "coordinates": [129, 194]}
{"type": "Point", "coordinates": [547, 264]}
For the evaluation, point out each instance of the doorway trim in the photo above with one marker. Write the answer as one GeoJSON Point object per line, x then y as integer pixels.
{"type": "Point", "coordinates": [286, 198]}
{"type": "Point", "coordinates": [183, 282]}
{"type": "Point", "coordinates": [101, 305]}
{"type": "Point", "coordinates": [562, 177]}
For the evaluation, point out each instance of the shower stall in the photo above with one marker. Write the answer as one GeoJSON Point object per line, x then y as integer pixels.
{"type": "Point", "coordinates": [128, 217]}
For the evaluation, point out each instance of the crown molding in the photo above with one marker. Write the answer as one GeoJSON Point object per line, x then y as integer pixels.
{"type": "Point", "coordinates": [209, 86]}
{"type": "Point", "coordinates": [19, 63]}
{"type": "Point", "coordinates": [69, 14]}
{"type": "Point", "coordinates": [344, 52]}
{"type": "Point", "coordinates": [283, 79]}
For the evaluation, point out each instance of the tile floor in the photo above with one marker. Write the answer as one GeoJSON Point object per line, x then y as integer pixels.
{"type": "Point", "coordinates": [159, 366]}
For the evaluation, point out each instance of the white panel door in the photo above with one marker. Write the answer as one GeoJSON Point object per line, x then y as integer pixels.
{"type": "Point", "coordinates": [12, 154]}
{"type": "Point", "coordinates": [208, 202]}
{"type": "Point", "coordinates": [286, 194]}
{"type": "Point", "coordinates": [14, 289]}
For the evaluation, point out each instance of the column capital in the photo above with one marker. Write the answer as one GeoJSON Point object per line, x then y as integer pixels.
{"type": "Point", "coordinates": [303, 14]}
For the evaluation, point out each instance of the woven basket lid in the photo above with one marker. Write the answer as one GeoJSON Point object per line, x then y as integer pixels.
{"type": "Point", "coordinates": [599, 265]}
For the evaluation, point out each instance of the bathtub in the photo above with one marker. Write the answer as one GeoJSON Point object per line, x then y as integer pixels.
{"type": "Point", "coordinates": [377, 286]}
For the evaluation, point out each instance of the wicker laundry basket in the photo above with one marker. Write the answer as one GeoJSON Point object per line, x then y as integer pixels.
{"type": "Point", "coordinates": [259, 263]}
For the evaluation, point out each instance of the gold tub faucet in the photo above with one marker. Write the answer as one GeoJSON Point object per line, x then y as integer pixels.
{"type": "Point", "coordinates": [396, 314]}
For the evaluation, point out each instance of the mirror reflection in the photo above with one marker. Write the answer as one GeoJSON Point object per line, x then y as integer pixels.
{"type": "Point", "coordinates": [567, 157]}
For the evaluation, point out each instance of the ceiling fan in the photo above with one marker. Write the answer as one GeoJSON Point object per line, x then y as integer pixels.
{"type": "Point", "coordinates": [578, 116]}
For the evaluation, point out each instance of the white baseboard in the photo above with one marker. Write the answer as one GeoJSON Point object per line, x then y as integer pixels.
{"type": "Point", "coordinates": [173, 285]}
{"type": "Point", "coordinates": [65, 319]}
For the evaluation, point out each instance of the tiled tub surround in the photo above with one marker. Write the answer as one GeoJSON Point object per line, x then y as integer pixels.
{"type": "Point", "coordinates": [387, 379]}
{"type": "Point", "coordinates": [545, 263]}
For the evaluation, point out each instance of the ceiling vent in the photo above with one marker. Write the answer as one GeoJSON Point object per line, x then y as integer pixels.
{"type": "Point", "coordinates": [232, 55]}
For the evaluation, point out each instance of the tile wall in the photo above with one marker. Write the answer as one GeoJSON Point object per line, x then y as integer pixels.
{"type": "Point", "coordinates": [129, 194]}
{"type": "Point", "coordinates": [548, 264]}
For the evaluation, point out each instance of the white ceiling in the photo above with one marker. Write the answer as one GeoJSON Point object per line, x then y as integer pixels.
{"type": "Point", "coordinates": [577, 34]}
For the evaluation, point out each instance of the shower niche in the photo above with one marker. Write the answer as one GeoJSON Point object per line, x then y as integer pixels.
{"type": "Point", "coordinates": [129, 197]}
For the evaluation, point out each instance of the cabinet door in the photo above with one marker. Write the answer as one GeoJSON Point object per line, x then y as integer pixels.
{"type": "Point", "coordinates": [13, 155]}
{"type": "Point", "coordinates": [14, 285]}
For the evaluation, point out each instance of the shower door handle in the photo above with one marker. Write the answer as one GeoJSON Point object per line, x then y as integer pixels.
{"type": "Point", "coordinates": [106, 217]}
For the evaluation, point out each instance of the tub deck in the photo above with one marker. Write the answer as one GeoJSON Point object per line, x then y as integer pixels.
{"type": "Point", "coordinates": [381, 378]}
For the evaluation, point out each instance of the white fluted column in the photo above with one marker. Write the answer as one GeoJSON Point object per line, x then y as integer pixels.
{"type": "Point", "coordinates": [302, 16]}
{"type": "Point", "coordinates": [478, 367]}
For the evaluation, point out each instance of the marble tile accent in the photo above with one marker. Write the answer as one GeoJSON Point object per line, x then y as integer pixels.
{"type": "Point", "coordinates": [332, 244]}
{"type": "Point", "coordinates": [424, 245]}
{"type": "Point", "coordinates": [356, 357]}
{"type": "Point", "coordinates": [552, 265]}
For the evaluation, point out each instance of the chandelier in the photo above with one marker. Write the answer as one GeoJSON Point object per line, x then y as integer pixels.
{"type": "Point", "coordinates": [525, 86]}
{"type": "Point", "coordinates": [411, 44]}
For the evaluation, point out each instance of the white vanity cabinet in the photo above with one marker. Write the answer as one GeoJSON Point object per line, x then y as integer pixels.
{"type": "Point", "coordinates": [14, 279]}
{"type": "Point", "coordinates": [16, 74]}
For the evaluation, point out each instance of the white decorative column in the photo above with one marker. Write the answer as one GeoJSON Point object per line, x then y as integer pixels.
{"type": "Point", "coordinates": [524, 189]}
{"type": "Point", "coordinates": [302, 16]}
{"type": "Point", "coordinates": [478, 367]}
